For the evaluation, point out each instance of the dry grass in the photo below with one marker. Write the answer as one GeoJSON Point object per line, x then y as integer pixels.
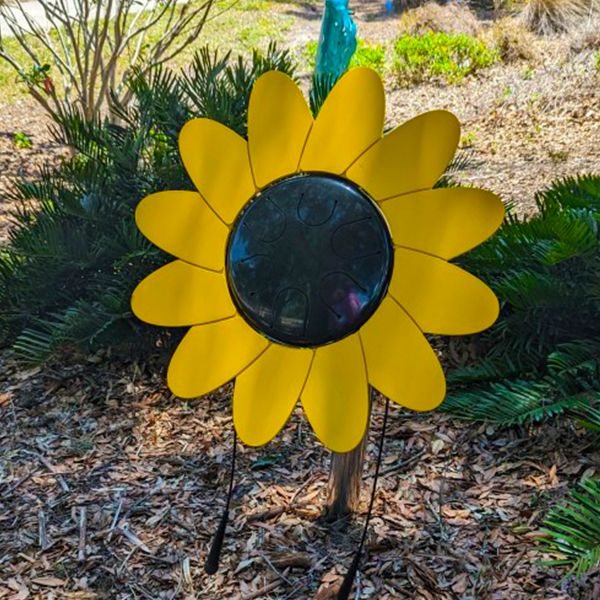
{"type": "Point", "coordinates": [556, 16]}
{"type": "Point", "coordinates": [451, 18]}
{"type": "Point", "coordinates": [587, 37]}
{"type": "Point", "coordinates": [513, 41]}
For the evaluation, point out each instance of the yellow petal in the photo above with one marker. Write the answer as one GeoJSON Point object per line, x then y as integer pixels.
{"type": "Point", "coordinates": [400, 361]}
{"type": "Point", "coordinates": [180, 294]}
{"type": "Point", "coordinates": [210, 355]}
{"type": "Point", "coordinates": [216, 159]}
{"type": "Point", "coordinates": [349, 122]}
{"type": "Point", "coordinates": [336, 395]}
{"type": "Point", "coordinates": [182, 224]}
{"type": "Point", "coordinates": [410, 158]}
{"type": "Point", "coordinates": [439, 296]}
{"type": "Point", "coordinates": [444, 222]}
{"type": "Point", "coordinates": [266, 392]}
{"type": "Point", "coordinates": [278, 122]}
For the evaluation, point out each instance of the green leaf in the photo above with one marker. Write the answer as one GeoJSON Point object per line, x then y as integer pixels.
{"type": "Point", "coordinates": [572, 529]}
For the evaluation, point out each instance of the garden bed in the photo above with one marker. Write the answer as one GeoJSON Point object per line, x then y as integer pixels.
{"type": "Point", "coordinates": [111, 488]}
{"type": "Point", "coordinates": [456, 512]}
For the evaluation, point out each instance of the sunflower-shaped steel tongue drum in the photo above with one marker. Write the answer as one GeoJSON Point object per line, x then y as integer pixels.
{"type": "Point", "coordinates": [313, 257]}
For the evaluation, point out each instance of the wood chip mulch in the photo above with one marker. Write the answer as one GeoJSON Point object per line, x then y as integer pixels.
{"type": "Point", "coordinates": [25, 117]}
{"type": "Point", "coordinates": [112, 488]}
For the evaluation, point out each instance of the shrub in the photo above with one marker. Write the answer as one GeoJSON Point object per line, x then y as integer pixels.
{"type": "Point", "coordinates": [366, 55]}
{"type": "Point", "coordinates": [93, 47]}
{"type": "Point", "coordinates": [448, 18]}
{"type": "Point", "coordinates": [541, 358]}
{"type": "Point", "coordinates": [369, 55]}
{"type": "Point", "coordinates": [69, 268]}
{"type": "Point", "coordinates": [439, 57]}
{"type": "Point", "coordinates": [555, 16]}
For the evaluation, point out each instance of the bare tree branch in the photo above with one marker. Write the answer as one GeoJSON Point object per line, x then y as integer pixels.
{"type": "Point", "coordinates": [88, 42]}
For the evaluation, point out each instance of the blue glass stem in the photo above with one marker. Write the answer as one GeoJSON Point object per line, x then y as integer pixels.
{"type": "Point", "coordinates": [337, 41]}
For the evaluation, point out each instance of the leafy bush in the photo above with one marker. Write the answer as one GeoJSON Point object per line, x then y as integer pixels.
{"type": "Point", "coordinates": [68, 270]}
{"type": "Point", "coordinates": [440, 57]}
{"type": "Point", "coordinates": [541, 358]}
{"type": "Point", "coordinates": [369, 55]}
{"type": "Point", "coordinates": [572, 529]}
{"type": "Point", "coordinates": [366, 55]}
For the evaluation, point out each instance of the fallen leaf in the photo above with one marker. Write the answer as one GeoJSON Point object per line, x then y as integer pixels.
{"type": "Point", "coordinates": [49, 581]}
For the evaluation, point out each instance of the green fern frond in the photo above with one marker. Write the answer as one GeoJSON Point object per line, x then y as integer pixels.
{"type": "Point", "coordinates": [462, 161]}
{"type": "Point", "coordinates": [587, 412]}
{"type": "Point", "coordinates": [546, 271]}
{"type": "Point", "coordinates": [218, 87]}
{"type": "Point", "coordinates": [576, 357]}
{"type": "Point", "coordinates": [581, 192]}
{"type": "Point", "coordinates": [509, 403]}
{"type": "Point", "coordinates": [321, 86]}
{"type": "Point", "coordinates": [572, 530]}
{"type": "Point", "coordinates": [34, 346]}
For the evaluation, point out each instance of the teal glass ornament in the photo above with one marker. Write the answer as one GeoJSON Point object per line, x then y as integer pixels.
{"type": "Point", "coordinates": [337, 41]}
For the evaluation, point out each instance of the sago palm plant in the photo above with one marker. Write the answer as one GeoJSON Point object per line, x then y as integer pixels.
{"type": "Point", "coordinates": [541, 357]}
{"type": "Point", "coordinates": [572, 530]}
{"type": "Point", "coordinates": [71, 262]}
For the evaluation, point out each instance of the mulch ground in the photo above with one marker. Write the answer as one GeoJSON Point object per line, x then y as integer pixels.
{"type": "Point", "coordinates": [522, 132]}
{"type": "Point", "coordinates": [112, 488]}
{"type": "Point", "coordinates": [25, 117]}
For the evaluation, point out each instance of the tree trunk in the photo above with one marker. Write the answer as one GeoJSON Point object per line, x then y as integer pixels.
{"type": "Point", "coordinates": [345, 478]}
